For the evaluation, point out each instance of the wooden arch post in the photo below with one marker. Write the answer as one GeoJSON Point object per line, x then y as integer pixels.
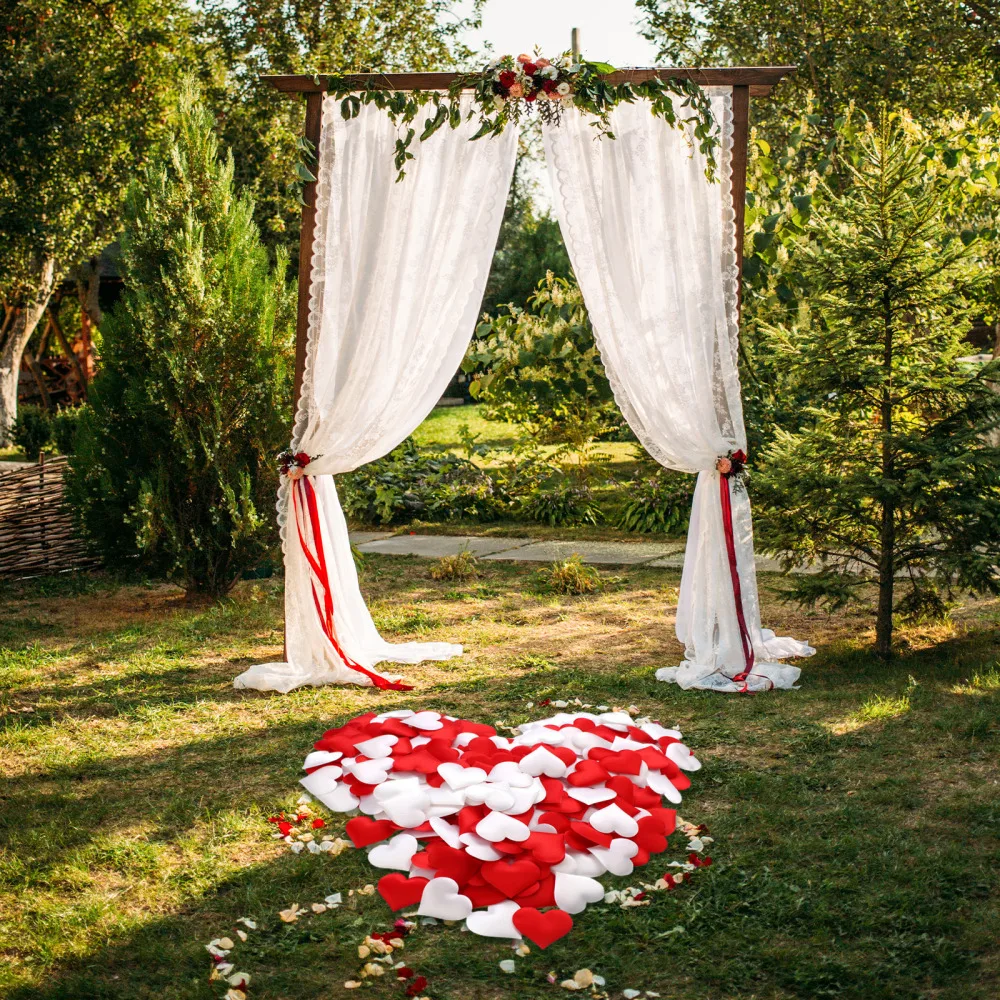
{"type": "Point", "coordinates": [746, 81]}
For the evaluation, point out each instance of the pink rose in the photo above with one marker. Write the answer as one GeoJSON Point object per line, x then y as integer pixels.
{"type": "Point", "coordinates": [296, 472]}
{"type": "Point", "coordinates": [516, 90]}
{"type": "Point", "coordinates": [724, 466]}
{"type": "Point", "coordinates": [542, 63]}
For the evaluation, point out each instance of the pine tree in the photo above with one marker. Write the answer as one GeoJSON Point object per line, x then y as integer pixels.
{"type": "Point", "coordinates": [175, 462]}
{"type": "Point", "coordinates": [890, 473]}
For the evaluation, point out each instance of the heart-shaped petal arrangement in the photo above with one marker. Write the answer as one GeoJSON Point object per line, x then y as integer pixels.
{"type": "Point", "coordinates": [509, 834]}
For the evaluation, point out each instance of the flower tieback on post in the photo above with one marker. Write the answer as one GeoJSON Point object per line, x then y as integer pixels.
{"type": "Point", "coordinates": [293, 464]}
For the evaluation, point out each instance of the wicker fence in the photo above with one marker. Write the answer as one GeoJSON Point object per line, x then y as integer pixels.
{"type": "Point", "coordinates": [36, 531]}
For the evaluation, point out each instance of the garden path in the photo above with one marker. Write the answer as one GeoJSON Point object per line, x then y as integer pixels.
{"type": "Point", "coordinates": [667, 554]}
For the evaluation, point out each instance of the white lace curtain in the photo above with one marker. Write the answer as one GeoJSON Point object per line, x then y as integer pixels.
{"type": "Point", "coordinates": [653, 246]}
{"type": "Point", "coordinates": [398, 274]}
{"type": "Point", "coordinates": [397, 278]}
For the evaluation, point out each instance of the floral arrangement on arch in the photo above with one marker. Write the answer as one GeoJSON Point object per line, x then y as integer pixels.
{"type": "Point", "coordinates": [508, 88]}
{"type": "Point", "coordinates": [519, 83]}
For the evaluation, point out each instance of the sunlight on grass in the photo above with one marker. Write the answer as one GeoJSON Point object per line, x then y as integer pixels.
{"type": "Point", "coordinates": [980, 682]}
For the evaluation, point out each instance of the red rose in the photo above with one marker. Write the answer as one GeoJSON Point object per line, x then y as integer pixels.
{"type": "Point", "coordinates": [507, 77]}
{"type": "Point", "coordinates": [530, 97]}
{"type": "Point", "coordinates": [405, 972]}
{"type": "Point", "coordinates": [549, 86]}
{"type": "Point", "coordinates": [417, 986]}
{"type": "Point", "coordinates": [318, 824]}
{"type": "Point", "coordinates": [530, 68]}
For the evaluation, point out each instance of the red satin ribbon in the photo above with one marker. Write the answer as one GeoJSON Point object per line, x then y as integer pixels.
{"type": "Point", "coordinates": [304, 495]}
{"type": "Point", "coordinates": [734, 573]}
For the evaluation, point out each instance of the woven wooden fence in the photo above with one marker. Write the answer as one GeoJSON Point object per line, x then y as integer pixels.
{"type": "Point", "coordinates": [37, 536]}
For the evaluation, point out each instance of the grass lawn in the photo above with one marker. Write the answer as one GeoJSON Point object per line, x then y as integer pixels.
{"type": "Point", "coordinates": [856, 821]}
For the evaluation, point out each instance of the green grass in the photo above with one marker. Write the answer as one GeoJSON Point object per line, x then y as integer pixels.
{"type": "Point", "coordinates": [855, 821]}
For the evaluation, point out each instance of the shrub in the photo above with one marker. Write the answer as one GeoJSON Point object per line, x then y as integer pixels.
{"type": "Point", "coordinates": [570, 576]}
{"type": "Point", "coordinates": [175, 454]}
{"type": "Point", "coordinates": [412, 482]}
{"type": "Point", "coordinates": [560, 504]}
{"type": "Point", "coordinates": [539, 367]}
{"type": "Point", "coordinates": [461, 566]}
{"type": "Point", "coordinates": [660, 503]}
{"type": "Point", "coordinates": [32, 431]}
{"type": "Point", "coordinates": [65, 426]}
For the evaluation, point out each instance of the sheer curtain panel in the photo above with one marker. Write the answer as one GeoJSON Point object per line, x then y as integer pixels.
{"type": "Point", "coordinates": [398, 273]}
{"type": "Point", "coordinates": [653, 244]}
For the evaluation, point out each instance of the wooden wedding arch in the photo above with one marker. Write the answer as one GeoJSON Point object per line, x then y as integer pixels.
{"type": "Point", "coordinates": [746, 81]}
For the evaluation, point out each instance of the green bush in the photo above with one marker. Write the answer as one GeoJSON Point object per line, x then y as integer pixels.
{"type": "Point", "coordinates": [560, 504]}
{"type": "Point", "coordinates": [32, 431]}
{"type": "Point", "coordinates": [411, 482]}
{"type": "Point", "coordinates": [175, 458]}
{"type": "Point", "coordinates": [539, 367]}
{"type": "Point", "coordinates": [65, 426]}
{"type": "Point", "coordinates": [660, 503]}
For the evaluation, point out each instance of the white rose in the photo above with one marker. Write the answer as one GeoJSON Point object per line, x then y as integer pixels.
{"type": "Point", "coordinates": [563, 89]}
{"type": "Point", "coordinates": [498, 102]}
{"type": "Point", "coordinates": [550, 72]}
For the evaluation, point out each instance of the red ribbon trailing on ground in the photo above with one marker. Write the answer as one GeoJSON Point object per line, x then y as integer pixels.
{"type": "Point", "coordinates": [304, 495]}
{"type": "Point", "coordinates": [727, 526]}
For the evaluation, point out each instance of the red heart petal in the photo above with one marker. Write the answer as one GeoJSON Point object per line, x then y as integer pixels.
{"type": "Point", "coordinates": [544, 894]}
{"type": "Point", "coordinates": [542, 928]}
{"type": "Point", "coordinates": [450, 862]}
{"type": "Point", "coordinates": [364, 831]}
{"type": "Point", "coordinates": [511, 877]}
{"type": "Point", "coordinates": [399, 891]}
{"type": "Point", "coordinates": [549, 848]}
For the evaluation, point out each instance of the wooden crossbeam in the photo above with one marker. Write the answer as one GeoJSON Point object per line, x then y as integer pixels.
{"type": "Point", "coordinates": [760, 79]}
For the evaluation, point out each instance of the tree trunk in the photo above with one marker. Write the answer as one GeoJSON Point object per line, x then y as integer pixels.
{"type": "Point", "coordinates": [887, 533]}
{"type": "Point", "coordinates": [18, 327]}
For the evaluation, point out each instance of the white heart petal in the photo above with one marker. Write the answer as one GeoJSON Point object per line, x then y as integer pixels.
{"type": "Point", "coordinates": [397, 853]}
{"type": "Point", "coordinates": [442, 899]}
{"type": "Point", "coordinates": [496, 826]}
{"type": "Point", "coordinates": [494, 921]}
{"type": "Point", "coordinates": [574, 892]}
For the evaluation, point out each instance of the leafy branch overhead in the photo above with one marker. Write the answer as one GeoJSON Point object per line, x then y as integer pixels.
{"type": "Point", "coordinates": [508, 89]}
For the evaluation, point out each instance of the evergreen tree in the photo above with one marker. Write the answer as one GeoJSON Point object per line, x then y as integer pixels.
{"type": "Point", "coordinates": [175, 460]}
{"type": "Point", "coordinates": [889, 472]}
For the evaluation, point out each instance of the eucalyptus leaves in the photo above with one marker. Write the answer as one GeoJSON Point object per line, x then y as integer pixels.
{"type": "Point", "coordinates": [509, 88]}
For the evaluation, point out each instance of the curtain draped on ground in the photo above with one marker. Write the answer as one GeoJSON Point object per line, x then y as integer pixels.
{"type": "Point", "coordinates": [653, 245]}
{"type": "Point", "coordinates": [398, 274]}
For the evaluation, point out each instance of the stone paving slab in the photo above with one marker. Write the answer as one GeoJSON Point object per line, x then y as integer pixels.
{"type": "Point", "coordinates": [435, 546]}
{"type": "Point", "coordinates": [620, 553]}
{"type": "Point", "coordinates": [363, 537]}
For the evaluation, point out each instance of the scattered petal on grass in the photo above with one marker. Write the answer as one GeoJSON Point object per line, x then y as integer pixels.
{"type": "Point", "coordinates": [290, 915]}
{"type": "Point", "coordinates": [242, 935]}
{"type": "Point", "coordinates": [351, 984]}
{"type": "Point", "coordinates": [630, 994]}
{"type": "Point", "coordinates": [247, 922]}
{"type": "Point", "coordinates": [508, 965]}
{"type": "Point", "coordinates": [334, 899]}
{"type": "Point", "coordinates": [583, 978]}
{"type": "Point", "coordinates": [318, 907]}
{"type": "Point", "coordinates": [521, 950]}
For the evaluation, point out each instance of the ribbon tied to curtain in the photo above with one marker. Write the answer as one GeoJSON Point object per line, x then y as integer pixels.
{"type": "Point", "coordinates": [307, 523]}
{"type": "Point", "coordinates": [728, 467]}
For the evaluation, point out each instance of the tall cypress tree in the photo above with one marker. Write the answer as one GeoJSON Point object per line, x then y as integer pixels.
{"type": "Point", "coordinates": [890, 474]}
{"type": "Point", "coordinates": [175, 461]}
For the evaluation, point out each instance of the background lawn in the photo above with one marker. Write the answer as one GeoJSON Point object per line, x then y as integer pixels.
{"type": "Point", "coordinates": [855, 821]}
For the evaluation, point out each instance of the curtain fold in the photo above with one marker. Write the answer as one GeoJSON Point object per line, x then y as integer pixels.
{"type": "Point", "coordinates": [653, 246]}
{"type": "Point", "coordinates": [398, 274]}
